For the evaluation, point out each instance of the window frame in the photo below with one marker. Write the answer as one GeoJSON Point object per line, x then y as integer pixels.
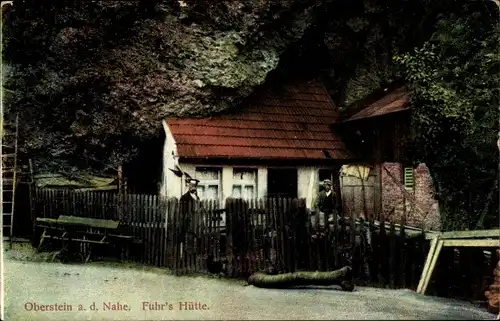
{"type": "Point", "coordinates": [406, 184]}
{"type": "Point", "coordinates": [244, 183]}
{"type": "Point", "coordinates": [210, 182]}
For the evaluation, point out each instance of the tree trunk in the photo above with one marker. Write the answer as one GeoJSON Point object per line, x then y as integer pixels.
{"type": "Point", "coordinates": [340, 277]}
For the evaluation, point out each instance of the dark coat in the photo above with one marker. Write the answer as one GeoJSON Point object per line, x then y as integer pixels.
{"type": "Point", "coordinates": [188, 207]}
{"type": "Point", "coordinates": [326, 204]}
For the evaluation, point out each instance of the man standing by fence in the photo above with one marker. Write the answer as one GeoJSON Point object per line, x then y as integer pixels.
{"type": "Point", "coordinates": [326, 204]}
{"type": "Point", "coordinates": [189, 208]}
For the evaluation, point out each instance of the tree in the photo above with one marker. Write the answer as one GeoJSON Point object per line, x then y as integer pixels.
{"type": "Point", "coordinates": [455, 95]}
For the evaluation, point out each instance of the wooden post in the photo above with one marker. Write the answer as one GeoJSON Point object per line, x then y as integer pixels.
{"type": "Point", "coordinates": [31, 196]}
{"type": "Point", "coordinates": [432, 249]}
{"type": "Point", "coordinates": [120, 193]}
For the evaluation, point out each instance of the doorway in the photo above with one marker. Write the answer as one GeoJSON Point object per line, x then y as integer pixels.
{"type": "Point", "coordinates": [282, 182]}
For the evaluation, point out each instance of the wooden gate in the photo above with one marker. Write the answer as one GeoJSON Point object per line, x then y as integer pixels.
{"type": "Point", "coordinates": [358, 191]}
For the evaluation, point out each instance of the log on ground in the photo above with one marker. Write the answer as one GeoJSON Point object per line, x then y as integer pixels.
{"type": "Point", "coordinates": [340, 277]}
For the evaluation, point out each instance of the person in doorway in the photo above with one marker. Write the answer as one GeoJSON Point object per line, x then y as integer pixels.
{"type": "Point", "coordinates": [326, 203]}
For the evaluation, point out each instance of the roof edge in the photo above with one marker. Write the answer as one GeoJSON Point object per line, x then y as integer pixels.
{"type": "Point", "coordinates": [357, 106]}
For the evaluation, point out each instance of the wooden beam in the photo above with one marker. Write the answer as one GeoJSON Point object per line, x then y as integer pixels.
{"type": "Point", "coordinates": [91, 222]}
{"type": "Point", "coordinates": [435, 257]}
{"type": "Point", "coordinates": [472, 243]}
{"type": "Point", "coordinates": [468, 234]}
{"type": "Point", "coordinates": [46, 220]}
{"type": "Point", "coordinates": [74, 240]}
{"type": "Point", "coordinates": [423, 277]}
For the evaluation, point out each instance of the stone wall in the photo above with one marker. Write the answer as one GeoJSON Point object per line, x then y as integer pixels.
{"type": "Point", "coordinates": [421, 208]}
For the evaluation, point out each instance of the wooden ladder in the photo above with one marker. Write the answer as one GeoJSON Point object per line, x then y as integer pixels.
{"type": "Point", "coordinates": [9, 177]}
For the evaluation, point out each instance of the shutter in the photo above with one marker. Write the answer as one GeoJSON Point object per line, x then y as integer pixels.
{"type": "Point", "coordinates": [408, 177]}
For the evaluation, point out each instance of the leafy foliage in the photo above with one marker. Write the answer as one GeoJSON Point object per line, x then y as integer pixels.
{"type": "Point", "coordinates": [455, 88]}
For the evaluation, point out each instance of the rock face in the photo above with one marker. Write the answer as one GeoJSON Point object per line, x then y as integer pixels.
{"type": "Point", "coordinates": [93, 79]}
{"type": "Point", "coordinates": [106, 72]}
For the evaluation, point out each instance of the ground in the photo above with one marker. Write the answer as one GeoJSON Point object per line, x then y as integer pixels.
{"type": "Point", "coordinates": [28, 282]}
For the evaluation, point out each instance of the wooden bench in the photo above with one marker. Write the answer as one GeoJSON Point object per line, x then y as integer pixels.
{"type": "Point", "coordinates": [82, 230]}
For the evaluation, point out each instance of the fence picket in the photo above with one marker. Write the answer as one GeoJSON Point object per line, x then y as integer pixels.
{"type": "Point", "coordinates": [393, 258]}
{"type": "Point", "coordinates": [403, 265]}
{"type": "Point", "coordinates": [258, 234]}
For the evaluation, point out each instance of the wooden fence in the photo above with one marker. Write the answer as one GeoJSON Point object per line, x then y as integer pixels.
{"type": "Point", "coordinates": [278, 234]}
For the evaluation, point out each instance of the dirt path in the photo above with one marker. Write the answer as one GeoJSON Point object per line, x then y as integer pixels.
{"type": "Point", "coordinates": [31, 283]}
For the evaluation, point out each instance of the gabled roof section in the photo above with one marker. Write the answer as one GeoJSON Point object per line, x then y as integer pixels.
{"type": "Point", "coordinates": [389, 100]}
{"type": "Point", "coordinates": [293, 123]}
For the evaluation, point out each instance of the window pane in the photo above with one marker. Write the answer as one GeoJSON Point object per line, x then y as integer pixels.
{"type": "Point", "coordinates": [236, 191]}
{"type": "Point", "coordinates": [212, 192]}
{"type": "Point", "coordinates": [201, 191]}
{"type": "Point", "coordinates": [207, 173]}
{"type": "Point", "coordinates": [248, 191]}
{"type": "Point", "coordinates": [247, 175]}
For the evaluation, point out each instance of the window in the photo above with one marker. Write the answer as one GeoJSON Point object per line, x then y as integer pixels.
{"type": "Point", "coordinates": [244, 183]}
{"type": "Point", "coordinates": [210, 182]}
{"type": "Point", "coordinates": [408, 177]}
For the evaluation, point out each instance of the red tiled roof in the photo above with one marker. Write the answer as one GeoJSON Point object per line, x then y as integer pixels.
{"type": "Point", "coordinates": [293, 124]}
{"type": "Point", "coordinates": [394, 101]}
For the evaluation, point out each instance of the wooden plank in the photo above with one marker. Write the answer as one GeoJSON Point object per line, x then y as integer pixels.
{"type": "Point", "coordinates": [204, 235]}
{"type": "Point", "coordinates": [50, 203]}
{"type": "Point", "coordinates": [435, 257]}
{"type": "Point", "coordinates": [467, 234]}
{"type": "Point", "coordinates": [211, 228]}
{"type": "Point", "coordinates": [472, 243]}
{"type": "Point", "coordinates": [46, 220]}
{"type": "Point", "coordinates": [403, 258]}
{"type": "Point", "coordinates": [230, 226]}
{"type": "Point", "coordinates": [76, 240]}
{"type": "Point", "coordinates": [76, 220]}
{"type": "Point", "coordinates": [393, 259]}
{"type": "Point", "coordinates": [294, 209]}
{"type": "Point", "coordinates": [427, 264]}
{"type": "Point", "coordinates": [194, 252]}
{"type": "Point", "coordinates": [352, 238]}
{"type": "Point", "coordinates": [382, 255]}
{"type": "Point", "coordinates": [250, 224]}
{"type": "Point", "coordinates": [144, 210]}
{"type": "Point", "coordinates": [280, 228]}
{"type": "Point", "coordinates": [174, 209]}
{"type": "Point", "coordinates": [152, 229]}
{"type": "Point", "coordinates": [310, 245]}
{"type": "Point", "coordinates": [157, 230]}
{"type": "Point", "coordinates": [371, 255]}
{"type": "Point", "coordinates": [334, 240]}
{"type": "Point", "coordinates": [162, 237]}
{"type": "Point", "coordinates": [362, 252]}
{"type": "Point", "coordinates": [261, 219]}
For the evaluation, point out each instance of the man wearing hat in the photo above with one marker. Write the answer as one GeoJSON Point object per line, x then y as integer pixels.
{"type": "Point", "coordinates": [188, 208]}
{"type": "Point", "coordinates": [326, 203]}
{"type": "Point", "coordinates": [191, 196]}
